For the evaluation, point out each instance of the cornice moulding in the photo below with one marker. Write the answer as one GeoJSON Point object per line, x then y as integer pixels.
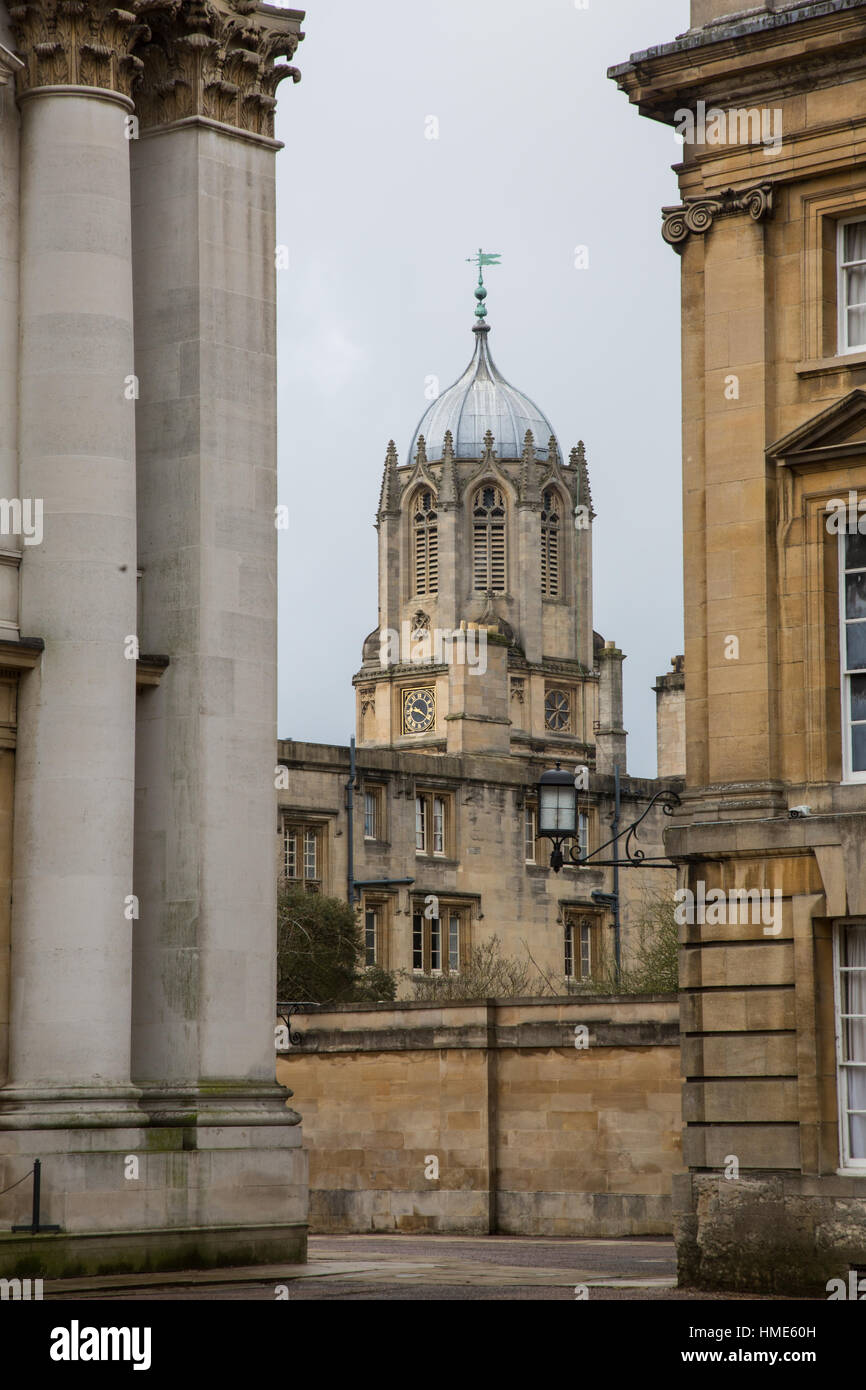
{"type": "Point", "coordinates": [782, 56]}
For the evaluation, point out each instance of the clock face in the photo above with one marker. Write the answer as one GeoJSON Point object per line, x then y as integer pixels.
{"type": "Point", "coordinates": [419, 711]}
{"type": "Point", "coordinates": [557, 709]}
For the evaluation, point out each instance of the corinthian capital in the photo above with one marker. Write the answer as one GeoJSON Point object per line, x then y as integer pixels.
{"type": "Point", "coordinates": [214, 58]}
{"type": "Point", "coordinates": [78, 43]}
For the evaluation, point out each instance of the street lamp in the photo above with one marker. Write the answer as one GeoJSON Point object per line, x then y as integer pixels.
{"type": "Point", "coordinates": [557, 812]}
{"type": "Point", "coordinates": [557, 821]}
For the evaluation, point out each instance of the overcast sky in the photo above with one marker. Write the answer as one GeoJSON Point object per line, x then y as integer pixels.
{"type": "Point", "coordinates": [538, 153]}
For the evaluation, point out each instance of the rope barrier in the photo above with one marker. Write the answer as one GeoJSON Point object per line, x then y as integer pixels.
{"type": "Point", "coordinates": [15, 1184]}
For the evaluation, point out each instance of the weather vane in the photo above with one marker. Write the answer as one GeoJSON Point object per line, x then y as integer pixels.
{"type": "Point", "coordinates": [481, 259]}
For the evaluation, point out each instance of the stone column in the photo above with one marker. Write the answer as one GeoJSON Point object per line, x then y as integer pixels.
{"type": "Point", "coordinates": [9, 545]}
{"type": "Point", "coordinates": [71, 944]}
{"type": "Point", "coordinates": [204, 243]}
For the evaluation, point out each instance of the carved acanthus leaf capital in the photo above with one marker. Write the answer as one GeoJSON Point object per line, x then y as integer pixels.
{"type": "Point", "coordinates": [698, 214]}
{"type": "Point", "coordinates": [76, 43]}
{"type": "Point", "coordinates": [214, 58]}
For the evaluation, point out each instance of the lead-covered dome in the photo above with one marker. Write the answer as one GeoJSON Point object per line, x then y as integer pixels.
{"type": "Point", "coordinates": [479, 401]}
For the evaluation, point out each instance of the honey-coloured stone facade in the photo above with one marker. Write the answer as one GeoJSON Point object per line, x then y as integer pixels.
{"type": "Point", "coordinates": [773, 432]}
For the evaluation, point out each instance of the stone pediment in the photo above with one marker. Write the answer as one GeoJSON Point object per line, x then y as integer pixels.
{"type": "Point", "coordinates": [836, 433]}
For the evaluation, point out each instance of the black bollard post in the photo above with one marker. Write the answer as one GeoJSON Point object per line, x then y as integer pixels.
{"type": "Point", "coordinates": [34, 1228]}
{"type": "Point", "coordinates": [37, 1192]}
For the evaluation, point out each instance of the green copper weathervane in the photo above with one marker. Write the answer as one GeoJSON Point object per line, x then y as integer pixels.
{"type": "Point", "coordinates": [482, 259]}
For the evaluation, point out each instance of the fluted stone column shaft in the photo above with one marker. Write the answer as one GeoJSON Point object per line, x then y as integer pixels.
{"type": "Point", "coordinates": [205, 963]}
{"type": "Point", "coordinates": [71, 944]}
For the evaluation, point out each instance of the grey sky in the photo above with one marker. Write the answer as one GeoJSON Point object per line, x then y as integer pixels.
{"type": "Point", "coordinates": [537, 153]}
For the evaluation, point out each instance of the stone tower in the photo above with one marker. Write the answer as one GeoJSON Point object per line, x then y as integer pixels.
{"type": "Point", "coordinates": [140, 410]}
{"type": "Point", "coordinates": [484, 532]}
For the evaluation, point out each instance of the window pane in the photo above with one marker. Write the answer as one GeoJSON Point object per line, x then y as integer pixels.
{"type": "Point", "coordinates": [417, 942]}
{"type": "Point", "coordinates": [370, 936]}
{"type": "Point", "coordinates": [856, 645]}
{"type": "Point", "coordinates": [569, 956]}
{"type": "Point", "coordinates": [855, 551]}
{"type": "Point", "coordinates": [853, 995]}
{"type": "Point", "coordinates": [856, 327]}
{"type": "Point", "coordinates": [529, 835]}
{"type": "Point", "coordinates": [854, 242]}
{"type": "Point", "coordinates": [582, 833]}
{"type": "Point", "coordinates": [858, 697]}
{"type": "Point", "coordinates": [369, 816]}
{"type": "Point", "coordinates": [856, 285]}
{"type": "Point", "coordinates": [855, 595]}
{"type": "Point", "coordinates": [291, 856]}
{"type": "Point", "coordinates": [858, 748]}
{"type": "Point", "coordinates": [310, 855]}
{"type": "Point", "coordinates": [420, 825]}
{"type": "Point", "coordinates": [438, 825]}
{"type": "Point", "coordinates": [435, 946]}
{"type": "Point", "coordinates": [585, 958]}
{"type": "Point", "coordinates": [453, 942]}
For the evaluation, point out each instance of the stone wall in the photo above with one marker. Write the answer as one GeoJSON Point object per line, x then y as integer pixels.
{"type": "Point", "coordinates": [533, 1135]}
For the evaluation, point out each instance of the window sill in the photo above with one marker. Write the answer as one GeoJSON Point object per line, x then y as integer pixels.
{"type": "Point", "coordinates": [825, 366]}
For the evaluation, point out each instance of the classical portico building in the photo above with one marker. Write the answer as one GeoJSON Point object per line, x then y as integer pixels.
{"type": "Point", "coordinates": [138, 636]}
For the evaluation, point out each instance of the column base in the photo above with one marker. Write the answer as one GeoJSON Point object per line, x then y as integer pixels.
{"type": "Point", "coordinates": [217, 1158]}
{"type": "Point", "coordinates": [67, 1256]}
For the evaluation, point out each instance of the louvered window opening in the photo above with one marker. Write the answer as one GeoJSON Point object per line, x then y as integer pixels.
{"type": "Point", "coordinates": [550, 545]}
{"type": "Point", "coordinates": [426, 544]}
{"type": "Point", "coordinates": [489, 540]}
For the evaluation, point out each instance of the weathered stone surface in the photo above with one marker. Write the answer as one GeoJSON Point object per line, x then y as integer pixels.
{"type": "Point", "coordinates": [768, 1235]}
{"type": "Point", "coordinates": [773, 416]}
{"type": "Point", "coordinates": [544, 1139]}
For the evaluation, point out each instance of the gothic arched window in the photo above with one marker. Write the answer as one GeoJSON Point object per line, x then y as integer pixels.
{"type": "Point", "coordinates": [488, 543]}
{"type": "Point", "coordinates": [425, 543]}
{"type": "Point", "coordinates": [551, 511]}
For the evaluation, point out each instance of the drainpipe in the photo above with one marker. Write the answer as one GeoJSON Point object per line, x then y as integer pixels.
{"type": "Point", "coordinates": [350, 812]}
{"type": "Point", "coordinates": [616, 919]}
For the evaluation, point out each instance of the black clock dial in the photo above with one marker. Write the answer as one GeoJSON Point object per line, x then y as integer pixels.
{"type": "Point", "coordinates": [419, 710]}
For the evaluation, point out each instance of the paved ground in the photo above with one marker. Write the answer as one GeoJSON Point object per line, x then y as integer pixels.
{"type": "Point", "coordinates": [385, 1267]}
